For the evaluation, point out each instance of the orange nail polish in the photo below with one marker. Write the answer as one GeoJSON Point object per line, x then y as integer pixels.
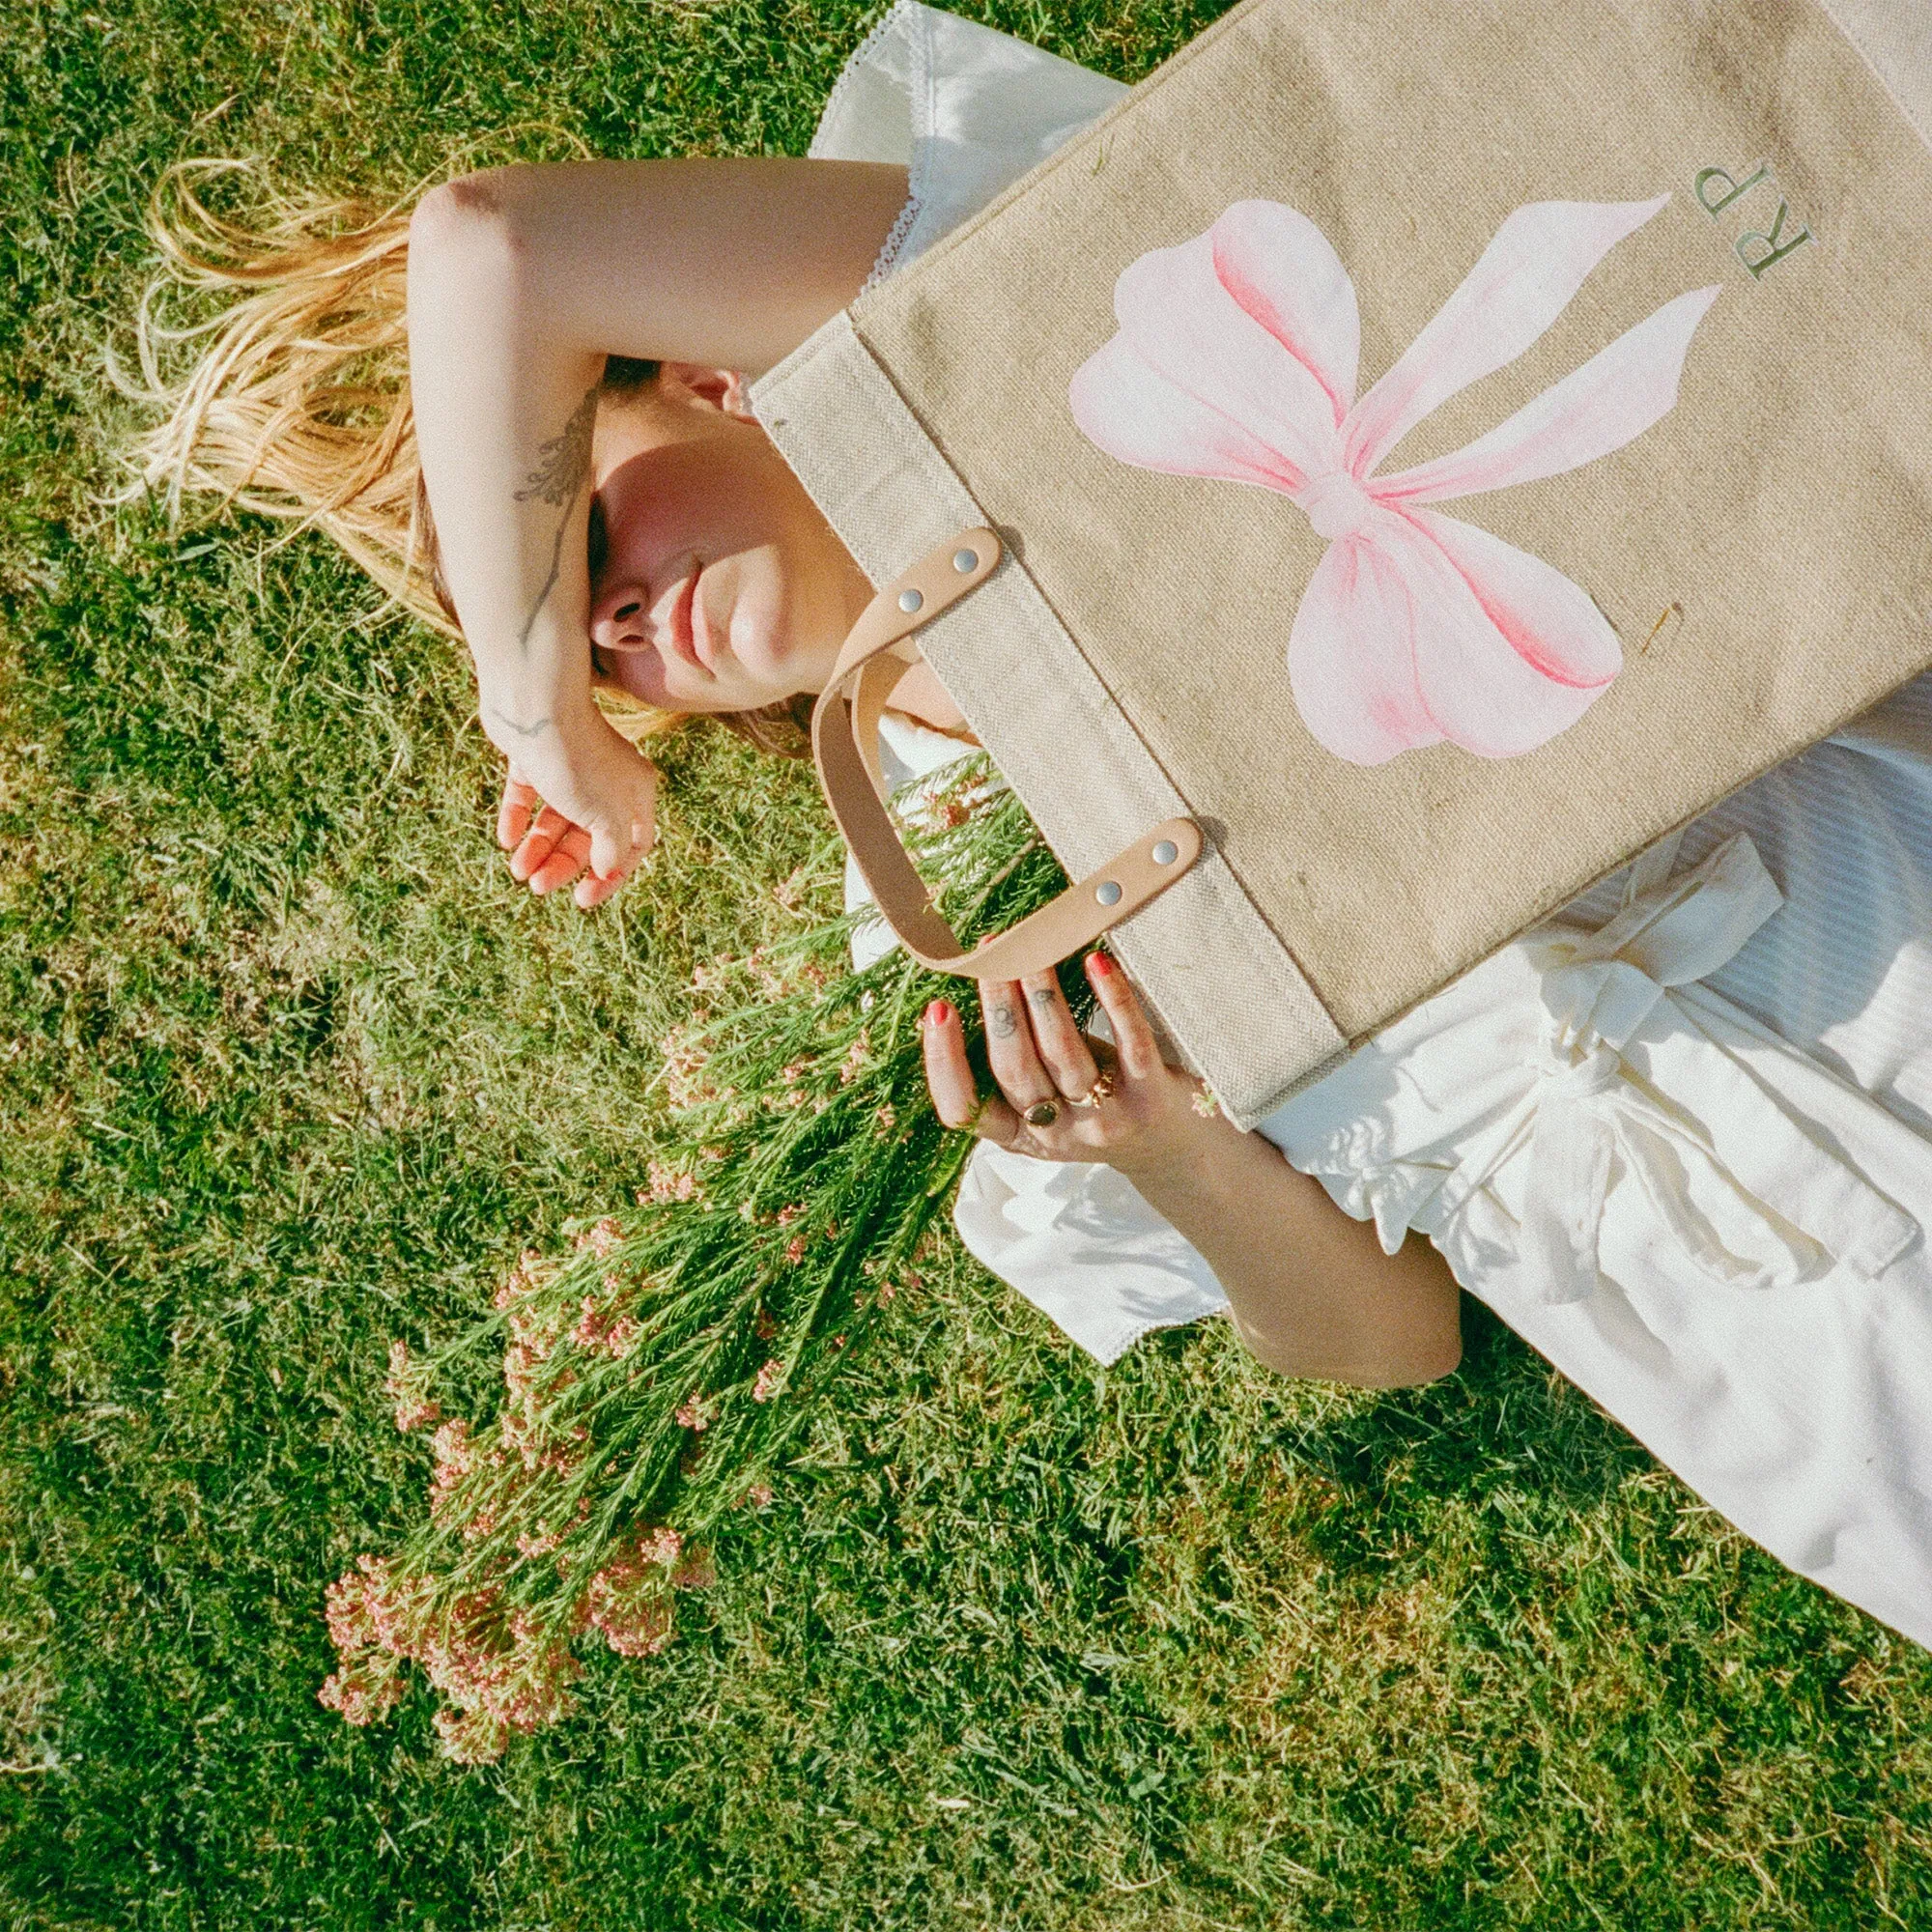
{"type": "Point", "coordinates": [1099, 965]}
{"type": "Point", "coordinates": [938, 1013]}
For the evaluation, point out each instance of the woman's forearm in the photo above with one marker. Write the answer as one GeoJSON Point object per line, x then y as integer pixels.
{"type": "Point", "coordinates": [504, 418]}
{"type": "Point", "coordinates": [1312, 1292]}
{"type": "Point", "coordinates": [521, 281]}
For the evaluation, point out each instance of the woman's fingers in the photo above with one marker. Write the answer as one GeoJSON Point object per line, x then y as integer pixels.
{"type": "Point", "coordinates": [514, 813]}
{"type": "Point", "coordinates": [567, 858]}
{"type": "Point", "coordinates": [1062, 1046]}
{"type": "Point", "coordinates": [537, 843]}
{"type": "Point", "coordinates": [949, 1078]}
{"type": "Point", "coordinates": [1010, 1044]}
{"type": "Point", "coordinates": [595, 887]}
{"type": "Point", "coordinates": [1133, 1036]}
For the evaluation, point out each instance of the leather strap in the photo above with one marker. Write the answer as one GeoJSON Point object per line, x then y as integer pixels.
{"type": "Point", "coordinates": [845, 744]}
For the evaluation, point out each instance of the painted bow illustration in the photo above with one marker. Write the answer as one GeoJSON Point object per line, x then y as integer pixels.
{"type": "Point", "coordinates": [1236, 358]}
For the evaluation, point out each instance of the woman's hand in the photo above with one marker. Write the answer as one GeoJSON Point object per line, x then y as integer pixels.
{"type": "Point", "coordinates": [1311, 1291]}
{"type": "Point", "coordinates": [590, 810]}
{"type": "Point", "coordinates": [1145, 1118]}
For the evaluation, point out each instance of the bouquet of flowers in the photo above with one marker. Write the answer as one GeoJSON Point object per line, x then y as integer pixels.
{"type": "Point", "coordinates": [655, 1376]}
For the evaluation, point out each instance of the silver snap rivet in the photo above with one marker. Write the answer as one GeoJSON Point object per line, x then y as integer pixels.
{"type": "Point", "coordinates": [1165, 853]}
{"type": "Point", "coordinates": [1108, 892]}
{"type": "Point", "coordinates": [910, 601]}
{"type": "Point", "coordinates": [964, 560]}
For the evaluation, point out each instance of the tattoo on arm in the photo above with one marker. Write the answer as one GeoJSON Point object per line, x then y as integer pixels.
{"type": "Point", "coordinates": [562, 465]}
{"type": "Point", "coordinates": [1002, 1022]}
{"type": "Point", "coordinates": [510, 724]}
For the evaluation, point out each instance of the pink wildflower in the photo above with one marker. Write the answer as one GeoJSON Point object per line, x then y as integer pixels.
{"type": "Point", "coordinates": [455, 1458]}
{"type": "Point", "coordinates": [605, 1328]}
{"type": "Point", "coordinates": [471, 1737]}
{"type": "Point", "coordinates": [404, 1386]}
{"type": "Point", "coordinates": [668, 1183]}
{"type": "Point", "coordinates": [696, 1571]}
{"type": "Point", "coordinates": [663, 1545]}
{"type": "Point", "coordinates": [687, 1083]}
{"type": "Point", "coordinates": [771, 1379]}
{"type": "Point", "coordinates": [759, 1496]}
{"type": "Point", "coordinates": [497, 1670]}
{"type": "Point", "coordinates": [365, 1692]}
{"type": "Point", "coordinates": [795, 1250]}
{"type": "Point", "coordinates": [628, 1600]}
{"type": "Point", "coordinates": [692, 1415]}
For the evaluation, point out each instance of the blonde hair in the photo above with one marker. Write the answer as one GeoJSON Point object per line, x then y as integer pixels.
{"type": "Point", "coordinates": [292, 398]}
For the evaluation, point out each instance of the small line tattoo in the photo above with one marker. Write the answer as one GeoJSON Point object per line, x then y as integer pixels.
{"type": "Point", "coordinates": [1002, 1021]}
{"type": "Point", "coordinates": [522, 730]}
{"type": "Point", "coordinates": [562, 464]}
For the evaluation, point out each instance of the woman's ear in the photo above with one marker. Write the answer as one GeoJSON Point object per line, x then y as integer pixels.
{"type": "Point", "coordinates": [724, 390]}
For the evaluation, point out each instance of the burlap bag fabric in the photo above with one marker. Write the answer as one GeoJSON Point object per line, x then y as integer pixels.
{"type": "Point", "coordinates": [1711, 218]}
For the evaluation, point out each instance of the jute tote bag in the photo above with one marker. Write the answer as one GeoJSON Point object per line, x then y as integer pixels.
{"type": "Point", "coordinates": [1402, 462]}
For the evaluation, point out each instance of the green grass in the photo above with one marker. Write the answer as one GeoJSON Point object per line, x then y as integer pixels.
{"type": "Point", "coordinates": [290, 1068]}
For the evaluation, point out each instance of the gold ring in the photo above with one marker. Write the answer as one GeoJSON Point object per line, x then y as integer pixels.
{"type": "Point", "coordinates": [1043, 1113]}
{"type": "Point", "coordinates": [1101, 1088]}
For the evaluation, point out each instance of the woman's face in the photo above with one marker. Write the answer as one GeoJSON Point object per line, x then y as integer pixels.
{"type": "Point", "coordinates": [721, 586]}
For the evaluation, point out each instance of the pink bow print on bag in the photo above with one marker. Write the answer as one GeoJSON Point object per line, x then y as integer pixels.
{"type": "Point", "coordinates": [1235, 359]}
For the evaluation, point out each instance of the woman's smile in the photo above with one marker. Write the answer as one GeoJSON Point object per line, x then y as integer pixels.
{"type": "Point", "coordinates": [686, 629]}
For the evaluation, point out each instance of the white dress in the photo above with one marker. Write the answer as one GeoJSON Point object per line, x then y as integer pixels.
{"type": "Point", "coordinates": [1680, 1139]}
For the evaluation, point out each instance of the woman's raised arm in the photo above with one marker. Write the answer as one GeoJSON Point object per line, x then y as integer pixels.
{"type": "Point", "coordinates": [521, 282]}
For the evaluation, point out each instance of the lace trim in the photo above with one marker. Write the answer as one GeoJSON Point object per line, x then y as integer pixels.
{"type": "Point", "coordinates": [886, 25]}
{"type": "Point", "coordinates": [1140, 1332]}
{"type": "Point", "coordinates": [896, 241]}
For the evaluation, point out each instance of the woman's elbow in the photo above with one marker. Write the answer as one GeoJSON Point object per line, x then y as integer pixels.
{"type": "Point", "coordinates": [1415, 1369]}
{"type": "Point", "coordinates": [1423, 1351]}
{"type": "Point", "coordinates": [475, 222]}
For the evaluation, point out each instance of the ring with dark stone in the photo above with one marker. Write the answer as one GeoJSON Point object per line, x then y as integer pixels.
{"type": "Point", "coordinates": [1041, 1113]}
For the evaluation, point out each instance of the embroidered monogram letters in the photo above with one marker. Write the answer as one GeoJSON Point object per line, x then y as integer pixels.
{"type": "Point", "coordinates": [1758, 248]}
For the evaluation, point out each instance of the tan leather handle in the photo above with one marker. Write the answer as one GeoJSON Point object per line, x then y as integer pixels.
{"type": "Point", "coordinates": [844, 742]}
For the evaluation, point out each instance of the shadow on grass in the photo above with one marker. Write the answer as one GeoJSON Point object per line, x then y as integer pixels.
{"type": "Point", "coordinates": [1505, 1424]}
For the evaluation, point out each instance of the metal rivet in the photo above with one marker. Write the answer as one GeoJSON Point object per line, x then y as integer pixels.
{"type": "Point", "coordinates": [910, 601]}
{"type": "Point", "coordinates": [1165, 853]}
{"type": "Point", "coordinates": [964, 560]}
{"type": "Point", "coordinates": [1108, 892]}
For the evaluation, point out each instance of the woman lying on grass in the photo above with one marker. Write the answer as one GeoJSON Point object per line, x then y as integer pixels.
{"type": "Point", "coordinates": [1735, 1269]}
